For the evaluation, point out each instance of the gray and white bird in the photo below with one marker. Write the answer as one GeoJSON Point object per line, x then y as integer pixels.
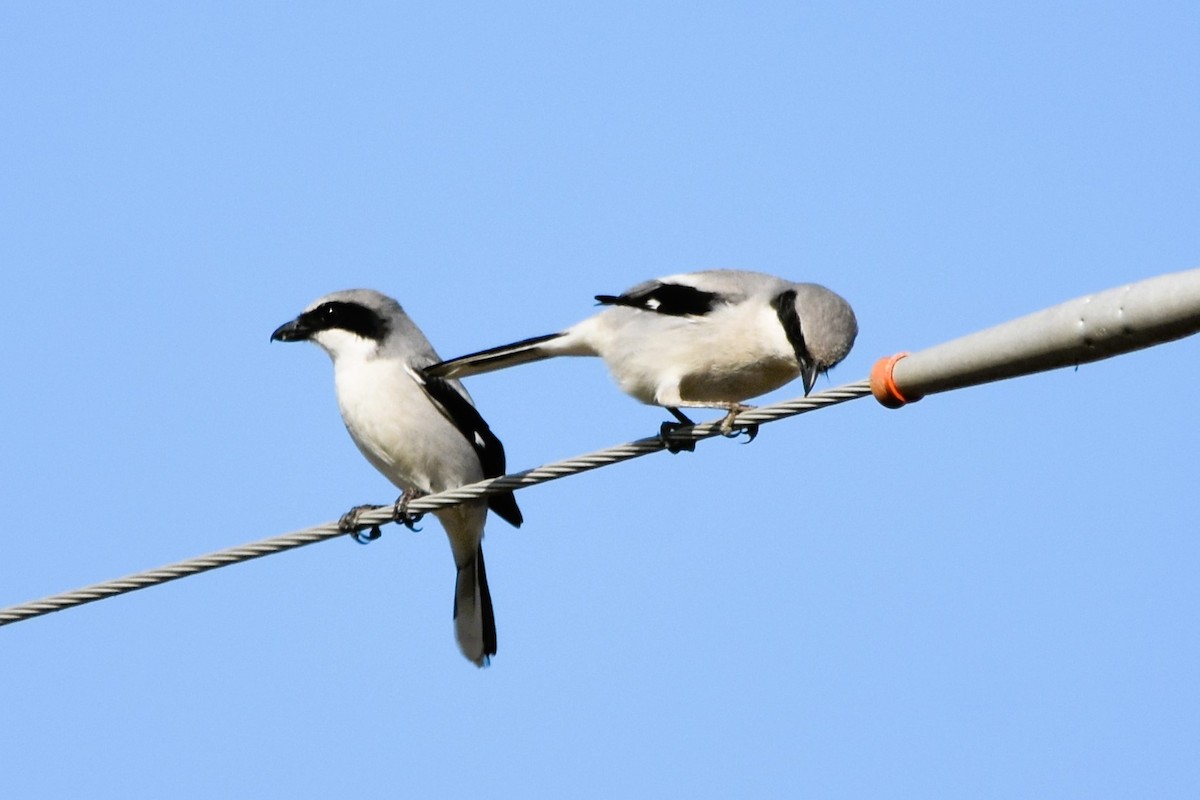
{"type": "Point", "coordinates": [706, 339]}
{"type": "Point", "coordinates": [422, 432]}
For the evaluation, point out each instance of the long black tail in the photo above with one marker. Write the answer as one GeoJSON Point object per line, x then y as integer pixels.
{"type": "Point", "coordinates": [474, 619]}
{"type": "Point", "coordinates": [508, 355]}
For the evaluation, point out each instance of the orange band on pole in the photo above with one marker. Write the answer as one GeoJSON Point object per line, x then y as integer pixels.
{"type": "Point", "coordinates": [883, 385]}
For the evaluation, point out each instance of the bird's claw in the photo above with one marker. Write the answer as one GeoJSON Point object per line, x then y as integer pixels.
{"type": "Point", "coordinates": [731, 431]}
{"type": "Point", "coordinates": [400, 512]}
{"type": "Point", "coordinates": [751, 431]}
{"type": "Point", "coordinates": [367, 536]}
{"type": "Point", "coordinates": [673, 444]}
{"type": "Point", "coordinates": [349, 524]}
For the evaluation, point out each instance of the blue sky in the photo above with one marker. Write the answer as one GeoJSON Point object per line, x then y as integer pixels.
{"type": "Point", "coordinates": [991, 593]}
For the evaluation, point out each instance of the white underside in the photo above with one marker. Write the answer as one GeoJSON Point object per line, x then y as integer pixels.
{"type": "Point", "coordinates": [716, 360]}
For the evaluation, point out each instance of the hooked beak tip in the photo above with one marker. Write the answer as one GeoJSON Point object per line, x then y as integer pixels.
{"type": "Point", "coordinates": [289, 332]}
{"type": "Point", "coordinates": [808, 373]}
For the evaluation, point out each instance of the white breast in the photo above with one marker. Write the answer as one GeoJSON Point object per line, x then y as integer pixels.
{"type": "Point", "coordinates": [400, 430]}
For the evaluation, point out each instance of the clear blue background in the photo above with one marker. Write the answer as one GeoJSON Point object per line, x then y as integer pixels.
{"type": "Point", "coordinates": [992, 593]}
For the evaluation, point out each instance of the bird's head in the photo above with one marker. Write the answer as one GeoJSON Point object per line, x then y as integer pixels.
{"type": "Point", "coordinates": [356, 321]}
{"type": "Point", "coordinates": [821, 327]}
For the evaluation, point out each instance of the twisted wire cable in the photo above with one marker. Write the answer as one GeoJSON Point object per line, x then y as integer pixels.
{"type": "Point", "coordinates": [1101, 325]}
{"type": "Point", "coordinates": [433, 502]}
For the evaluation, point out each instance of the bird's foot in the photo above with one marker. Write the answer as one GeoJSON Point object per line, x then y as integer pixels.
{"type": "Point", "coordinates": [400, 512]}
{"type": "Point", "coordinates": [349, 524]}
{"type": "Point", "coordinates": [729, 431]}
{"type": "Point", "coordinates": [674, 444]}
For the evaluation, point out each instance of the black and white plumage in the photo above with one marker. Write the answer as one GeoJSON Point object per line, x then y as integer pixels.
{"type": "Point", "coordinates": [423, 433]}
{"type": "Point", "coordinates": [703, 339]}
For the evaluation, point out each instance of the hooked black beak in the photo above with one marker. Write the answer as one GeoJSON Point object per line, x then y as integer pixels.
{"type": "Point", "coordinates": [294, 331]}
{"type": "Point", "coordinates": [809, 370]}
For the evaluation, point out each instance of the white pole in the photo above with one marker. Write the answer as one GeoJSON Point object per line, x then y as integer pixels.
{"type": "Point", "coordinates": [1086, 329]}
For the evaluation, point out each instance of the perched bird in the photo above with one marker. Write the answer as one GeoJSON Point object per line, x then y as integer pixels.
{"type": "Point", "coordinates": [703, 339]}
{"type": "Point", "coordinates": [423, 433]}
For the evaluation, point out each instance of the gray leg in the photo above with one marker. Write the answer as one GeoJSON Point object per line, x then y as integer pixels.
{"type": "Point", "coordinates": [349, 524]}
{"type": "Point", "coordinates": [400, 511]}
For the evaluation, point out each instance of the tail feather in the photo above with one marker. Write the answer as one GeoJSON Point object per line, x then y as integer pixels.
{"type": "Point", "coordinates": [474, 620]}
{"type": "Point", "coordinates": [508, 355]}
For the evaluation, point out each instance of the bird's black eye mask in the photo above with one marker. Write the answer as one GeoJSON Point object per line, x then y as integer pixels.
{"type": "Point", "coordinates": [347, 316]}
{"type": "Point", "coordinates": [785, 309]}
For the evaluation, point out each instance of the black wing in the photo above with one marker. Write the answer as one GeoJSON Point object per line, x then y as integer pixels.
{"type": "Point", "coordinates": [471, 424]}
{"type": "Point", "coordinates": [674, 299]}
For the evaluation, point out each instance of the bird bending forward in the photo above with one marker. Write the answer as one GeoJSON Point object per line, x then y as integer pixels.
{"type": "Point", "coordinates": [707, 339]}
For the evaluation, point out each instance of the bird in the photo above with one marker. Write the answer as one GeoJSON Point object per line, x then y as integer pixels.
{"type": "Point", "coordinates": [421, 432]}
{"type": "Point", "coordinates": [708, 339]}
